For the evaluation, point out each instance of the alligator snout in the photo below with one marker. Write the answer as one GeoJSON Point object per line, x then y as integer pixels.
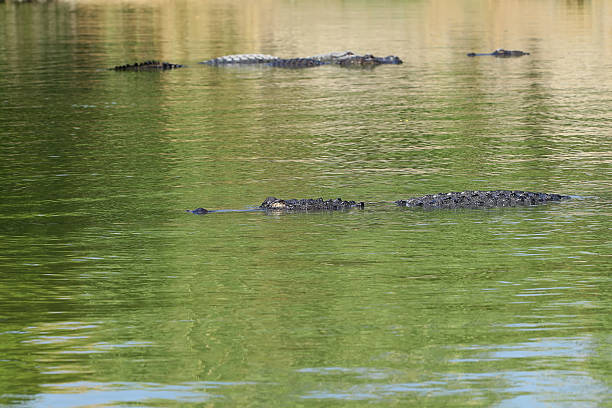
{"type": "Point", "coordinates": [199, 211]}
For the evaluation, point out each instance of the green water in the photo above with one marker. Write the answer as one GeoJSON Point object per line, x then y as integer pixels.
{"type": "Point", "coordinates": [112, 295]}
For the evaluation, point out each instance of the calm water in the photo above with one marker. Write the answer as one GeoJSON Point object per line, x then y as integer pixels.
{"type": "Point", "coordinates": [112, 295]}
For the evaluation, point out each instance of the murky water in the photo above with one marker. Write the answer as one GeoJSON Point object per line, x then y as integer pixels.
{"type": "Point", "coordinates": [112, 295]}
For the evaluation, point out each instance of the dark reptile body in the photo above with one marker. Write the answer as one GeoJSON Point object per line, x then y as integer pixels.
{"type": "Point", "coordinates": [295, 63]}
{"type": "Point", "coordinates": [306, 204]}
{"type": "Point", "coordinates": [367, 60]}
{"type": "Point", "coordinates": [480, 199]}
{"type": "Point", "coordinates": [147, 66]}
{"type": "Point", "coordinates": [501, 53]}
{"type": "Point", "coordinates": [344, 59]}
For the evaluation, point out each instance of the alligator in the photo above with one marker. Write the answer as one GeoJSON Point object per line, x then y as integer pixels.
{"type": "Point", "coordinates": [304, 204]}
{"type": "Point", "coordinates": [147, 66]}
{"type": "Point", "coordinates": [341, 58]}
{"type": "Point", "coordinates": [453, 200]}
{"type": "Point", "coordinates": [500, 53]}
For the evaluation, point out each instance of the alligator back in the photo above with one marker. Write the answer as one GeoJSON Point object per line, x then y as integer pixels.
{"type": "Point", "coordinates": [276, 204]}
{"type": "Point", "coordinates": [332, 56]}
{"type": "Point", "coordinates": [481, 199]}
{"type": "Point", "coordinates": [241, 59]}
{"type": "Point", "coordinates": [342, 58]}
{"type": "Point", "coordinates": [296, 63]}
{"type": "Point", "coordinates": [508, 53]}
{"type": "Point", "coordinates": [367, 60]}
{"type": "Point", "coordinates": [147, 66]}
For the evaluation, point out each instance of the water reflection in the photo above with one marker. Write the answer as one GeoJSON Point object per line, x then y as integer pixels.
{"type": "Point", "coordinates": [111, 294]}
{"type": "Point", "coordinates": [73, 394]}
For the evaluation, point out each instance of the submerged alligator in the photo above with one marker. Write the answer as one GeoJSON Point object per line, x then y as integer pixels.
{"type": "Point", "coordinates": [147, 66]}
{"type": "Point", "coordinates": [500, 53]}
{"type": "Point", "coordinates": [453, 200]}
{"type": "Point", "coordinates": [305, 204]}
{"type": "Point", "coordinates": [341, 58]}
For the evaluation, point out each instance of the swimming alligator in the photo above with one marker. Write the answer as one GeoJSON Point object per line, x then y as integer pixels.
{"type": "Point", "coordinates": [147, 66]}
{"type": "Point", "coordinates": [501, 53]}
{"type": "Point", "coordinates": [305, 204]}
{"type": "Point", "coordinates": [342, 58]}
{"type": "Point", "coordinates": [453, 200]}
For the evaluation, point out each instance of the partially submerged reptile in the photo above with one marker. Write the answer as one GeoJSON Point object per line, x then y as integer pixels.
{"type": "Point", "coordinates": [305, 204]}
{"type": "Point", "coordinates": [453, 200]}
{"type": "Point", "coordinates": [147, 66]}
{"type": "Point", "coordinates": [341, 58]}
{"type": "Point", "coordinates": [500, 52]}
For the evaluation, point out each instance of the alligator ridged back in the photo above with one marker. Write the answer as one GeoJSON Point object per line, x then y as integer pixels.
{"type": "Point", "coordinates": [367, 60]}
{"type": "Point", "coordinates": [481, 199]}
{"type": "Point", "coordinates": [147, 66]}
{"type": "Point", "coordinates": [342, 58]}
{"type": "Point", "coordinates": [306, 204]}
{"type": "Point", "coordinates": [296, 63]}
{"type": "Point", "coordinates": [241, 59]}
{"type": "Point", "coordinates": [509, 53]}
{"type": "Point", "coordinates": [331, 56]}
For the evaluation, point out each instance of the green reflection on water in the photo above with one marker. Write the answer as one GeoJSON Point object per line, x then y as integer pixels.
{"type": "Point", "coordinates": [110, 293]}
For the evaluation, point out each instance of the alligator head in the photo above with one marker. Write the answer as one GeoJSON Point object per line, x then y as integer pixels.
{"type": "Point", "coordinates": [500, 52]}
{"type": "Point", "coordinates": [199, 211]}
{"type": "Point", "coordinates": [274, 203]}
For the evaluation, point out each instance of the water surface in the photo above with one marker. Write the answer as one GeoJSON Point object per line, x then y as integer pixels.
{"type": "Point", "coordinates": [112, 295]}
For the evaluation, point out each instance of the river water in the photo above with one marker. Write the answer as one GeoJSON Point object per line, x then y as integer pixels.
{"type": "Point", "coordinates": [112, 295]}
